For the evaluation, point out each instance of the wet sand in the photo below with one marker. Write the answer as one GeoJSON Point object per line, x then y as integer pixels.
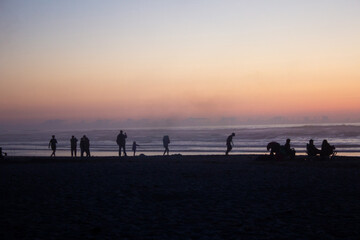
{"type": "Point", "coordinates": [179, 197]}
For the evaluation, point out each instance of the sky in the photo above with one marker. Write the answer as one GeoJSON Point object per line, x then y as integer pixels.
{"type": "Point", "coordinates": [251, 61]}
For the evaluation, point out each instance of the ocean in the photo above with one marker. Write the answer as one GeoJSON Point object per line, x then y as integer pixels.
{"type": "Point", "coordinates": [249, 139]}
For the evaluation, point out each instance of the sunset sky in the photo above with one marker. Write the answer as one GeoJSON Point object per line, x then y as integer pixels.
{"type": "Point", "coordinates": [118, 60]}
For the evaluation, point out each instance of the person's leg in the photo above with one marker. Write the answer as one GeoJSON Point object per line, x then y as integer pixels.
{"type": "Point", "coordinates": [124, 151]}
{"type": "Point", "coordinates": [228, 150]}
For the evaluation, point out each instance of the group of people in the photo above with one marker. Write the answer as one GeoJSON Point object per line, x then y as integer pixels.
{"type": "Point", "coordinates": [276, 150]}
{"type": "Point", "coordinates": [325, 151]}
{"type": "Point", "coordinates": [285, 151]}
{"type": "Point", "coordinates": [121, 142]}
{"type": "Point", "coordinates": [85, 145]}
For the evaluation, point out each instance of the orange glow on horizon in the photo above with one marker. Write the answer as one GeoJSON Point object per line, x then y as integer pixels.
{"type": "Point", "coordinates": [160, 65]}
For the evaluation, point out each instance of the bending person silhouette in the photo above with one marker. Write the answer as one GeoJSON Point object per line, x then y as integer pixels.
{"type": "Point", "coordinates": [52, 144]}
{"type": "Point", "coordinates": [166, 141]}
{"type": "Point", "coordinates": [229, 143]}
{"type": "Point", "coordinates": [121, 141]}
{"type": "Point", "coordinates": [73, 143]}
{"type": "Point", "coordinates": [274, 147]}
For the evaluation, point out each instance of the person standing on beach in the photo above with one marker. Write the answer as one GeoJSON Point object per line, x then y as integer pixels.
{"type": "Point", "coordinates": [52, 144]}
{"type": "Point", "coordinates": [121, 141]}
{"type": "Point", "coordinates": [229, 143]}
{"type": "Point", "coordinates": [73, 143]}
{"type": "Point", "coordinates": [82, 146]}
{"type": "Point", "coordinates": [87, 145]}
{"type": "Point", "coordinates": [134, 147]}
{"type": "Point", "coordinates": [166, 141]}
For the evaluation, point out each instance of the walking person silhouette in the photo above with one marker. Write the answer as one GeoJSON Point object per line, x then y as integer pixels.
{"type": "Point", "coordinates": [229, 143]}
{"type": "Point", "coordinates": [121, 141]}
{"type": "Point", "coordinates": [52, 144]}
{"type": "Point", "coordinates": [166, 141]}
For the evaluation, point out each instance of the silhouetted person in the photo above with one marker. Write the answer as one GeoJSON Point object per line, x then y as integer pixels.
{"type": "Point", "coordinates": [82, 146]}
{"type": "Point", "coordinates": [288, 150]}
{"type": "Point", "coordinates": [166, 141]}
{"type": "Point", "coordinates": [229, 143]}
{"type": "Point", "coordinates": [326, 149]}
{"type": "Point", "coordinates": [52, 144]}
{"type": "Point", "coordinates": [87, 145]}
{"type": "Point", "coordinates": [2, 154]}
{"type": "Point", "coordinates": [121, 141]}
{"type": "Point", "coordinates": [312, 151]}
{"type": "Point", "coordinates": [73, 143]}
{"type": "Point", "coordinates": [274, 147]}
{"type": "Point", "coordinates": [134, 147]}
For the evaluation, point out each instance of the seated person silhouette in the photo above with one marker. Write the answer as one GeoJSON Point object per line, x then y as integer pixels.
{"type": "Point", "coordinates": [2, 154]}
{"type": "Point", "coordinates": [327, 149]}
{"type": "Point", "coordinates": [290, 152]}
{"type": "Point", "coordinates": [311, 150]}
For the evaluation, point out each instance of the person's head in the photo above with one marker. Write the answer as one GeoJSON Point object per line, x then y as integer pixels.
{"type": "Point", "coordinates": [84, 136]}
{"type": "Point", "coordinates": [121, 131]}
{"type": "Point", "coordinates": [233, 134]}
{"type": "Point", "coordinates": [311, 141]}
{"type": "Point", "coordinates": [53, 136]}
{"type": "Point", "coordinates": [288, 140]}
{"type": "Point", "coordinates": [324, 141]}
{"type": "Point", "coordinates": [72, 136]}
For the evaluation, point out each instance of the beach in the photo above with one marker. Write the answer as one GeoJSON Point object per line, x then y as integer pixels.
{"type": "Point", "coordinates": [179, 197]}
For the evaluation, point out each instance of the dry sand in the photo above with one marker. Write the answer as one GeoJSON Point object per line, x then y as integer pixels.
{"type": "Point", "coordinates": [179, 197]}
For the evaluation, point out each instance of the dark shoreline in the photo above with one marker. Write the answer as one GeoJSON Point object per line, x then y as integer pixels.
{"type": "Point", "coordinates": [175, 157]}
